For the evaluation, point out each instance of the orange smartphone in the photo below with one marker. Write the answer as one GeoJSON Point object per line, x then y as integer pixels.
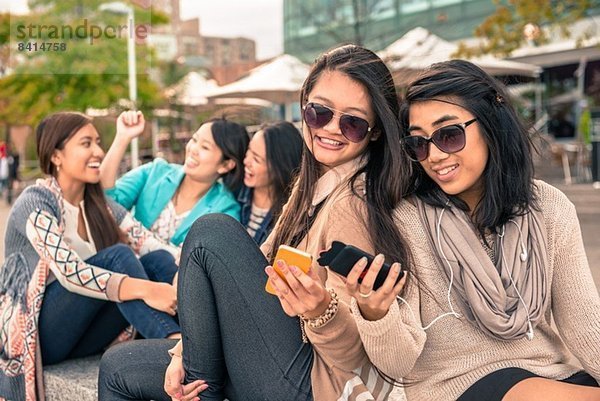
{"type": "Point", "coordinates": [292, 257]}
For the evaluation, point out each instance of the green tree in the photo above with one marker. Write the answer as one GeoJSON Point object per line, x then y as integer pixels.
{"type": "Point", "coordinates": [517, 22]}
{"type": "Point", "coordinates": [90, 73]}
{"type": "Point", "coordinates": [4, 42]}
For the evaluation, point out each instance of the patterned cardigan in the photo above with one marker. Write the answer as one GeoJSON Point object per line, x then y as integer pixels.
{"type": "Point", "coordinates": [34, 247]}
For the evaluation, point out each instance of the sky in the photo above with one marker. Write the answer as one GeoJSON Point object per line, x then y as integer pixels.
{"type": "Point", "coordinates": [261, 20]}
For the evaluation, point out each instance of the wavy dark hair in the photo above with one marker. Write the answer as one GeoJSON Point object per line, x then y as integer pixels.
{"type": "Point", "coordinates": [508, 174]}
{"type": "Point", "coordinates": [283, 143]}
{"type": "Point", "coordinates": [52, 134]}
{"type": "Point", "coordinates": [233, 139]}
{"type": "Point", "coordinates": [387, 171]}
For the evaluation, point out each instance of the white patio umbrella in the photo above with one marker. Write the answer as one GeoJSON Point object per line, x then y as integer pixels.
{"type": "Point", "coordinates": [419, 48]}
{"type": "Point", "coordinates": [278, 81]}
{"type": "Point", "coordinates": [191, 90]}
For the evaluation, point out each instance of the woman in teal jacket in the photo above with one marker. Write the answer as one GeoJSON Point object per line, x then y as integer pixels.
{"type": "Point", "coordinates": [167, 198]}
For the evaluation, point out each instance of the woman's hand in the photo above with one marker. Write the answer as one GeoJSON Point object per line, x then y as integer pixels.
{"type": "Point", "coordinates": [303, 294]}
{"type": "Point", "coordinates": [175, 280]}
{"type": "Point", "coordinates": [173, 382]}
{"type": "Point", "coordinates": [161, 296]}
{"type": "Point", "coordinates": [130, 124]}
{"type": "Point", "coordinates": [374, 305]}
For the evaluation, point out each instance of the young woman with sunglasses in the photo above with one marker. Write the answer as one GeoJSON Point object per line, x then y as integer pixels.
{"type": "Point", "coordinates": [166, 197]}
{"type": "Point", "coordinates": [498, 255]}
{"type": "Point", "coordinates": [242, 343]}
{"type": "Point", "coordinates": [68, 252]}
{"type": "Point", "coordinates": [270, 165]}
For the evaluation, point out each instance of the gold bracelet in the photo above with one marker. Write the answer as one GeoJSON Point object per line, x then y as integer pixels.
{"type": "Point", "coordinates": [303, 331]}
{"type": "Point", "coordinates": [325, 317]}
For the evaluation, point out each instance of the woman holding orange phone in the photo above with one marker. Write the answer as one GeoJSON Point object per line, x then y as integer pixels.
{"type": "Point", "coordinates": [241, 343]}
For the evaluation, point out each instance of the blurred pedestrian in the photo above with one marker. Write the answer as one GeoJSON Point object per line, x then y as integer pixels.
{"type": "Point", "coordinates": [13, 175]}
{"type": "Point", "coordinates": [167, 198]}
{"type": "Point", "coordinates": [3, 169]}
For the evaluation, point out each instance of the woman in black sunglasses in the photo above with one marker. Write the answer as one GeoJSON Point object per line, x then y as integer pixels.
{"type": "Point", "coordinates": [242, 343]}
{"type": "Point", "coordinates": [497, 253]}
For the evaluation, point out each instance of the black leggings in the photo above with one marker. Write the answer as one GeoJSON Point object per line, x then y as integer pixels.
{"type": "Point", "coordinates": [495, 385]}
{"type": "Point", "coordinates": [235, 335]}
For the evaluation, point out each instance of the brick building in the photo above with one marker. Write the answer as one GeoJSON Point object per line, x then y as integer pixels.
{"type": "Point", "coordinates": [225, 59]}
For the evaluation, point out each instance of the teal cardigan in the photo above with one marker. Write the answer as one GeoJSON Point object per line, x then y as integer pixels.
{"type": "Point", "coordinates": [149, 188]}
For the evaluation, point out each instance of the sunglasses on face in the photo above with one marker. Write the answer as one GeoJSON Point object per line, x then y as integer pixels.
{"type": "Point", "coordinates": [354, 129]}
{"type": "Point", "coordinates": [448, 139]}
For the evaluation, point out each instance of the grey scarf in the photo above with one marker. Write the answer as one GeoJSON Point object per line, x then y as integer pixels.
{"type": "Point", "coordinates": [487, 290]}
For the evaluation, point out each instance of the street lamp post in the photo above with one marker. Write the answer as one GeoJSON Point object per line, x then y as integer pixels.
{"type": "Point", "coordinates": [118, 7]}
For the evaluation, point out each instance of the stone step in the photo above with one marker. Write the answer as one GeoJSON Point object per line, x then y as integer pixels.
{"type": "Point", "coordinates": [73, 380]}
{"type": "Point", "coordinates": [77, 380]}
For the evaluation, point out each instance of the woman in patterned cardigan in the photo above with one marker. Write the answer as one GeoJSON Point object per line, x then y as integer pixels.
{"type": "Point", "coordinates": [68, 253]}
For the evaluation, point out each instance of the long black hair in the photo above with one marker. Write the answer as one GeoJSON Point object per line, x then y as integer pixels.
{"type": "Point", "coordinates": [283, 143]}
{"type": "Point", "coordinates": [508, 175]}
{"type": "Point", "coordinates": [233, 139]}
{"type": "Point", "coordinates": [387, 171]}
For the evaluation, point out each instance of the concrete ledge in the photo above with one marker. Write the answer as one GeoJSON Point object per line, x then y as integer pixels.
{"type": "Point", "coordinates": [74, 380]}
{"type": "Point", "coordinates": [77, 380]}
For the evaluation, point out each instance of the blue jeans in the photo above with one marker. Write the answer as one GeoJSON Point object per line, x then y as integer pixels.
{"type": "Point", "coordinates": [235, 335]}
{"type": "Point", "coordinates": [73, 325]}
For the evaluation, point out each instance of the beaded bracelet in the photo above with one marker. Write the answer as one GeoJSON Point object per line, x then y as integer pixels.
{"type": "Point", "coordinates": [332, 308]}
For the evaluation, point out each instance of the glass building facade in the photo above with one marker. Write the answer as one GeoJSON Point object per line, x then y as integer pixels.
{"type": "Point", "coordinates": [312, 26]}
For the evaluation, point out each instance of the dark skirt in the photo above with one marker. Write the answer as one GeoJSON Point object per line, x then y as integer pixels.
{"type": "Point", "coordinates": [495, 385]}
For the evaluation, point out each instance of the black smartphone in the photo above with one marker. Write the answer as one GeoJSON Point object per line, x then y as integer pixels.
{"type": "Point", "coordinates": [341, 258]}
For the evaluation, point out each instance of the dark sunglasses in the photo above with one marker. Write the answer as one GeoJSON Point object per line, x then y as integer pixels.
{"type": "Point", "coordinates": [448, 139]}
{"type": "Point", "coordinates": [354, 129]}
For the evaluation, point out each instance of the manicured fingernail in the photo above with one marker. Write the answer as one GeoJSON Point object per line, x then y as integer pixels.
{"type": "Point", "coordinates": [396, 268]}
{"type": "Point", "coordinates": [280, 264]}
{"type": "Point", "coordinates": [380, 258]}
{"type": "Point", "coordinates": [203, 387]}
{"type": "Point", "coordinates": [363, 261]}
{"type": "Point", "coordinates": [293, 269]}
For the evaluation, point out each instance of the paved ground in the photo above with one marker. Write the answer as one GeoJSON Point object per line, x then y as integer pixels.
{"type": "Point", "coordinates": [587, 203]}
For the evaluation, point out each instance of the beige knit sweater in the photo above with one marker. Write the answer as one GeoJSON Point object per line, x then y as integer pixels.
{"type": "Point", "coordinates": [442, 362]}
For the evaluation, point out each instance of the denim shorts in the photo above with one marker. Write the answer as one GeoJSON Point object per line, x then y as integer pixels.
{"type": "Point", "coordinates": [494, 386]}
